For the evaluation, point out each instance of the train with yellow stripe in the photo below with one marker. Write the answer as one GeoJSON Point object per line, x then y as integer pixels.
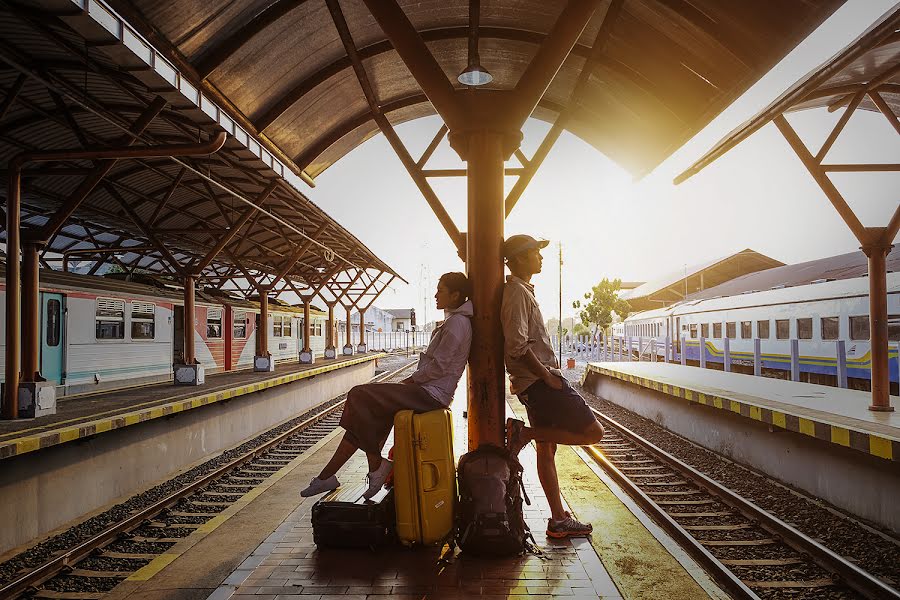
{"type": "Point", "coordinates": [817, 315]}
{"type": "Point", "coordinates": [105, 332]}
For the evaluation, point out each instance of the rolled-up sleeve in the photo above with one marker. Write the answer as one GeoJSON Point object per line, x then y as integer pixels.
{"type": "Point", "coordinates": [514, 318]}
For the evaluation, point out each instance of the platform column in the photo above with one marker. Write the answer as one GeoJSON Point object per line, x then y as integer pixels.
{"type": "Point", "coordinates": [306, 354]}
{"type": "Point", "coordinates": [263, 361]}
{"type": "Point", "coordinates": [330, 351]}
{"type": "Point", "coordinates": [189, 372]}
{"type": "Point", "coordinates": [484, 155]}
{"type": "Point", "coordinates": [36, 397]}
{"type": "Point", "coordinates": [361, 348]}
{"type": "Point", "coordinates": [878, 326]}
{"type": "Point", "coordinates": [348, 344]}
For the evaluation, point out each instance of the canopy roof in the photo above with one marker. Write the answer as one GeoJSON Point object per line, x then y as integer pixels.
{"type": "Point", "coordinates": [78, 80]}
{"type": "Point", "coordinates": [666, 69]}
{"type": "Point", "coordinates": [870, 66]}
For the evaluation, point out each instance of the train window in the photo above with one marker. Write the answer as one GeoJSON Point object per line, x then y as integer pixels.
{"type": "Point", "coordinates": [704, 330]}
{"type": "Point", "coordinates": [110, 319]}
{"type": "Point", "coordinates": [53, 326]}
{"type": "Point", "coordinates": [804, 329]}
{"type": "Point", "coordinates": [762, 329]}
{"type": "Point", "coordinates": [286, 329]}
{"type": "Point", "coordinates": [859, 328]}
{"type": "Point", "coordinates": [277, 327]}
{"type": "Point", "coordinates": [717, 330]}
{"type": "Point", "coordinates": [783, 329]}
{"type": "Point", "coordinates": [746, 330]}
{"type": "Point", "coordinates": [831, 328]}
{"type": "Point", "coordinates": [143, 320]}
{"type": "Point", "coordinates": [693, 331]}
{"type": "Point", "coordinates": [239, 326]}
{"type": "Point", "coordinates": [894, 328]}
{"type": "Point", "coordinates": [731, 330]}
{"type": "Point", "coordinates": [213, 323]}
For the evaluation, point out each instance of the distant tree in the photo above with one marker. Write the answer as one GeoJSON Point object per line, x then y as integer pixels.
{"type": "Point", "coordinates": [600, 304]}
{"type": "Point", "coordinates": [581, 329]}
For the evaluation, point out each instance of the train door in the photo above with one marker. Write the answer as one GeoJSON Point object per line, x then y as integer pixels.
{"type": "Point", "coordinates": [178, 333]}
{"type": "Point", "coordinates": [52, 337]}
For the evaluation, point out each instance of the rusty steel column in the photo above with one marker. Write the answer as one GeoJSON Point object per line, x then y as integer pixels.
{"type": "Point", "coordinates": [31, 313]}
{"type": "Point", "coordinates": [13, 208]}
{"type": "Point", "coordinates": [306, 327]}
{"type": "Point", "coordinates": [349, 342]}
{"type": "Point", "coordinates": [329, 329]}
{"type": "Point", "coordinates": [484, 265]}
{"type": "Point", "coordinates": [362, 329]}
{"type": "Point", "coordinates": [878, 313]}
{"type": "Point", "coordinates": [262, 335]}
{"type": "Point", "coordinates": [190, 321]}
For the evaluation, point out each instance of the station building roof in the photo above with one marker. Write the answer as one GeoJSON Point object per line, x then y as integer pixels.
{"type": "Point", "coordinates": [80, 79]}
{"type": "Point", "coordinates": [833, 268]}
{"type": "Point", "coordinates": [671, 287]}
{"type": "Point", "coordinates": [665, 70]}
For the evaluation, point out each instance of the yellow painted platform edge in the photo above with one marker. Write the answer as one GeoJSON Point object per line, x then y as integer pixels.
{"type": "Point", "coordinates": [26, 444]}
{"type": "Point", "coordinates": [877, 445]}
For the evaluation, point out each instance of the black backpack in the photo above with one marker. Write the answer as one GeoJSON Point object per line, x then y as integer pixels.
{"type": "Point", "coordinates": [490, 521]}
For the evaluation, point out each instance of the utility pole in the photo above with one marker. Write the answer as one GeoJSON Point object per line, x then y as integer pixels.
{"type": "Point", "coordinates": [560, 305]}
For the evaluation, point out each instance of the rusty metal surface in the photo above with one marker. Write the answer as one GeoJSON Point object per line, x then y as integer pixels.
{"type": "Point", "coordinates": [669, 67]}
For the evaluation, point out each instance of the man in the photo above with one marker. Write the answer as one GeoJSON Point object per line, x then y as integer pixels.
{"type": "Point", "coordinates": [557, 414]}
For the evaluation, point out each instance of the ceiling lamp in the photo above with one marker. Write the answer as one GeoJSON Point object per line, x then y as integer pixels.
{"type": "Point", "coordinates": [474, 74]}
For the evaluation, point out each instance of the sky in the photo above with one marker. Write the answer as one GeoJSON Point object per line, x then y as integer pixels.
{"type": "Point", "coordinates": [757, 196]}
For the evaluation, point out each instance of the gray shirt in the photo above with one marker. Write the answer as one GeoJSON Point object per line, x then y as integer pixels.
{"type": "Point", "coordinates": [442, 363]}
{"type": "Point", "coordinates": [523, 328]}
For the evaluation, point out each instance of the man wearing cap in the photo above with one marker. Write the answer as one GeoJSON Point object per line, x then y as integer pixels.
{"type": "Point", "coordinates": [557, 414]}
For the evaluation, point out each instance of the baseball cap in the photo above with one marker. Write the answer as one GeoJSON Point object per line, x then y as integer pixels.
{"type": "Point", "coordinates": [516, 244]}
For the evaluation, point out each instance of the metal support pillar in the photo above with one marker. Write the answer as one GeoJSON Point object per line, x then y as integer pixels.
{"type": "Point", "coordinates": [795, 360]}
{"type": "Point", "coordinates": [190, 371]}
{"type": "Point", "coordinates": [757, 357]}
{"type": "Point", "coordinates": [31, 328]}
{"type": "Point", "coordinates": [263, 361]}
{"type": "Point", "coordinates": [13, 297]}
{"type": "Point", "coordinates": [841, 355]}
{"type": "Point", "coordinates": [487, 398]}
{"type": "Point", "coordinates": [726, 354]}
{"type": "Point", "coordinates": [306, 354]}
{"type": "Point", "coordinates": [361, 348]}
{"type": "Point", "coordinates": [702, 352]}
{"type": "Point", "coordinates": [881, 384]}
{"type": "Point", "coordinates": [348, 345]}
{"type": "Point", "coordinates": [330, 351]}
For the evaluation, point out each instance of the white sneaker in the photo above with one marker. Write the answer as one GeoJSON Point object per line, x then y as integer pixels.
{"type": "Point", "coordinates": [318, 486]}
{"type": "Point", "coordinates": [377, 478]}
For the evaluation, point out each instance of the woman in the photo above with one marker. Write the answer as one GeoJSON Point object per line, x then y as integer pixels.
{"type": "Point", "coordinates": [369, 411]}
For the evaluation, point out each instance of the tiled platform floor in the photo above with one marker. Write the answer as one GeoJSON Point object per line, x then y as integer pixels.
{"type": "Point", "coordinates": [288, 564]}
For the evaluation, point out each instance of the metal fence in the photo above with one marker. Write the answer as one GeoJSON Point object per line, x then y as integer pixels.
{"type": "Point", "coordinates": [389, 341]}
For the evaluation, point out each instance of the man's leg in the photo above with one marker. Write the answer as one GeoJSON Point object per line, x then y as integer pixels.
{"type": "Point", "coordinates": [591, 435]}
{"type": "Point", "coordinates": [546, 468]}
{"type": "Point", "coordinates": [343, 453]}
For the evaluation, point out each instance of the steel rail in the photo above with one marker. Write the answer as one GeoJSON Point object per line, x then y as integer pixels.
{"type": "Point", "coordinates": [63, 561]}
{"type": "Point", "coordinates": [844, 571]}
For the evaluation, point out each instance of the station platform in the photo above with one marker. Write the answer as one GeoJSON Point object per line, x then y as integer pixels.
{"type": "Point", "coordinates": [263, 547]}
{"type": "Point", "coordinates": [835, 415]}
{"type": "Point", "coordinates": [85, 415]}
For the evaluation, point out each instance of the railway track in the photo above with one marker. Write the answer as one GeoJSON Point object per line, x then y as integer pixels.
{"type": "Point", "coordinates": [94, 566]}
{"type": "Point", "coordinates": [748, 551]}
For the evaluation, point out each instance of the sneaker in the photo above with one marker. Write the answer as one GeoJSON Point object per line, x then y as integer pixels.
{"type": "Point", "coordinates": [319, 486]}
{"type": "Point", "coordinates": [568, 527]}
{"type": "Point", "coordinates": [514, 440]}
{"type": "Point", "coordinates": [377, 478]}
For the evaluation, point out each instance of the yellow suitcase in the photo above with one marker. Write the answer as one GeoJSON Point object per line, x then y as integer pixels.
{"type": "Point", "coordinates": [424, 476]}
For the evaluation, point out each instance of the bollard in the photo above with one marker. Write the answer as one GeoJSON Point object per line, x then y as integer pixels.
{"type": "Point", "coordinates": [702, 352]}
{"type": "Point", "coordinates": [727, 355]}
{"type": "Point", "coordinates": [795, 360]}
{"type": "Point", "coordinates": [841, 354]}
{"type": "Point", "coordinates": [757, 357]}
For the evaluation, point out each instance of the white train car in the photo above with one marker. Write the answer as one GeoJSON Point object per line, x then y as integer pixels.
{"type": "Point", "coordinates": [817, 315]}
{"type": "Point", "coordinates": [102, 333]}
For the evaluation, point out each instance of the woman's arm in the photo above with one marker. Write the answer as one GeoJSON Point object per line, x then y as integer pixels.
{"type": "Point", "coordinates": [454, 335]}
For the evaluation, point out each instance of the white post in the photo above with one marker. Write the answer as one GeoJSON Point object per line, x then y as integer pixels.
{"type": "Point", "coordinates": [795, 360]}
{"type": "Point", "coordinates": [757, 357]}
{"type": "Point", "coordinates": [683, 350]}
{"type": "Point", "coordinates": [652, 350]}
{"type": "Point", "coordinates": [666, 349]}
{"type": "Point", "coordinates": [702, 352]}
{"type": "Point", "coordinates": [841, 353]}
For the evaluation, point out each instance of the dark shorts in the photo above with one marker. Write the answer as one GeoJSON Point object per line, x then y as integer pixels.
{"type": "Point", "coordinates": [558, 409]}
